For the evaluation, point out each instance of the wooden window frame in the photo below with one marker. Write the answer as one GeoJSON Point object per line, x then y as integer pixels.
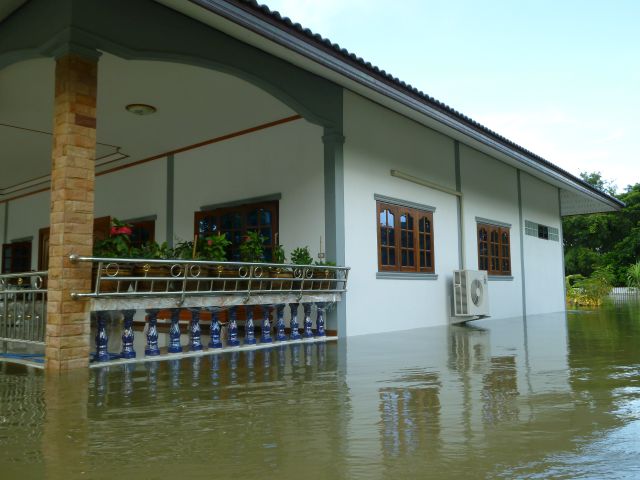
{"type": "Point", "coordinates": [493, 257]}
{"type": "Point", "coordinates": [414, 247]}
{"type": "Point", "coordinates": [11, 249]}
{"type": "Point", "coordinates": [270, 205]}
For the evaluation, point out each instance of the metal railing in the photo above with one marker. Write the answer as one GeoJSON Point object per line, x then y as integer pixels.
{"type": "Point", "coordinates": [23, 307]}
{"type": "Point", "coordinates": [127, 278]}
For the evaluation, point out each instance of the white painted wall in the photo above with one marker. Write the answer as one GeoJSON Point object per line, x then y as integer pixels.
{"type": "Point", "coordinates": [377, 141]}
{"type": "Point", "coordinates": [27, 215]}
{"type": "Point", "coordinates": [134, 192]}
{"type": "Point", "coordinates": [490, 190]}
{"type": "Point", "coordinates": [286, 159]}
{"type": "Point", "coordinates": [544, 280]}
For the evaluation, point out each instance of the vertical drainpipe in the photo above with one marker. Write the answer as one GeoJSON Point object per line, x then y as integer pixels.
{"type": "Point", "coordinates": [521, 224]}
{"type": "Point", "coordinates": [170, 197]}
{"type": "Point", "coordinates": [561, 240]}
{"type": "Point", "coordinates": [5, 226]}
{"type": "Point", "coordinates": [461, 259]}
{"type": "Point", "coordinates": [334, 222]}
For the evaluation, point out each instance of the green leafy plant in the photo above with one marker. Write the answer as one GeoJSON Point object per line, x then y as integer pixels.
{"type": "Point", "coordinates": [117, 244]}
{"type": "Point", "coordinates": [154, 250]}
{"type": "Point", "coordinates": [589, 291]}
{"type": "Point", "coordinates": [301, 256]}
{"type": "Point", "coordinates": [325, 264]}
{"type": "Point", "coordinates": [252, 248]}
{"type": "Point", "coordinates": [278, 254]}
{"type": "Point", "coordinates": [183, 250]}
{"type": "Point", "coordinates": [214, 247]}
{"type": "Point", "coordinates": [633, 275]}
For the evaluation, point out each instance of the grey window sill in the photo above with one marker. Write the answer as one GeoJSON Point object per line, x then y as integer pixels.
{"type": "Point", "coordinates": [406, 276]}
{"type": "Point", "coordinates": [500, 278]}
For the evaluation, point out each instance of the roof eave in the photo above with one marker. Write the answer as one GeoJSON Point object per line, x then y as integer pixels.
{"type": "Point", "coordinates": [249, 15]}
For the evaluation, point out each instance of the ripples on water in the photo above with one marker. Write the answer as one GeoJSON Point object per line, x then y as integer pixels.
{"type": "Point", "coordinates": [552, 397]}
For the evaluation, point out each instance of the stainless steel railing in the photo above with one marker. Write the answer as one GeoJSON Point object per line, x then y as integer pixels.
{"type": "Point", "coordinates": [132, 278]}
{"type": "Point", "coordinates": [23, 307]}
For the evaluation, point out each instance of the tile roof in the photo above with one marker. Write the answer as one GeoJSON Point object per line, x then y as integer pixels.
{"type": "Point", "coordinates": [275, 18]}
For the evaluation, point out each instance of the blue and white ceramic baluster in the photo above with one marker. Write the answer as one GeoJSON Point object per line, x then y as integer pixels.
{"type": "Point", "coordinates": [266, 365]}
{"type": "Point", "coordinates": [102, 337]}
{"type": "Point", "coordinates": [174, 332]}
{"type": "Point", "coordinates": [249, 334]}
{"type": "Point", "coordinates": [195, 344]}
{"type": "Point", "coordinates": [214, 330]}
{"type": "Point", "coordinates": [195, 373]}
{"type": "Point", "coordinates": [127, 335]}
{"type": "Point", "coordinates": [233, 341]}
{"type": "Point", "coordinates": [266, 325]}
{"type": "Point", "coordinates": [308, 333]}
{"type": "Point", "coordinates": [320, 320]}
{"type": "Point", "coordinates": [295, 333]}
{"type": "Point", "coordinates": [250, 355]}
{"type": "Point", "coordinates": [280, 334]}
{"type": "Point", "coordinates": [152, 333]}
{"type": "Point", "coordinates": [152, 377]}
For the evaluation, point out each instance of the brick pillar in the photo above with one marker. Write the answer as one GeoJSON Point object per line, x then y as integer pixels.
{"type": "Point", "coordinates": [72, 193]}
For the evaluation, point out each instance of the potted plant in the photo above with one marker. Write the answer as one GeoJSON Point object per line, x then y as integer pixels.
{"type": "Point", "coordinates": [301, 256]}
{"type": "Point", "coordinates": [324, 273]}
{"type": "Point", "coordinates": [153, 251]}
{"type": "Point", "coordinates": [252, 251]}
{"type": "Point", "coordinates": [214, 248]}
{"type": "Point", "coordinates": [116, 245]}
{"type": "Point", "coordinates": [280, 272]}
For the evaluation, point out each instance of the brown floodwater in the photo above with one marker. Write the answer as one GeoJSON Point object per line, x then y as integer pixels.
{"type": "Point", "coordinates": [551, 396]}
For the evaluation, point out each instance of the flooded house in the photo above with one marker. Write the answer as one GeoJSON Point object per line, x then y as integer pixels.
{"type": "Point", "coordinates": [218, 118]}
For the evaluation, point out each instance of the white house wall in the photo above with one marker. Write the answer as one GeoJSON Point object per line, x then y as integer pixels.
{"type": "Point", "coordinates": [490, 190]}
{"type": "Point", "coordinates": [378, 140]}
{"type": "Point", "coordinates": [286, 159]}
{"type": "Point", "coordinates": [139, 191]}
{"type": "Point", "coordinates": [542, 258]}
{"type": "Point", "coordinates": [26, 216]}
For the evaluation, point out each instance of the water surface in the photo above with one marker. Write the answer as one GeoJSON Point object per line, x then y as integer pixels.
{"type": "Point", "coordinates": [551, 396]}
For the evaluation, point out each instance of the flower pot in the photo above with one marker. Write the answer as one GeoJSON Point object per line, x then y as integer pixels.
{"type": "Point", "coordinates": [150, 270]}
{"type": "Point", "coordinates": [225, 278]}
{"type": "Point", "coordinates": [111, 271]}
{"type": "Point", "coordinates": [326, 276]}
{"type": "Point", "coordinates": [281, 284]}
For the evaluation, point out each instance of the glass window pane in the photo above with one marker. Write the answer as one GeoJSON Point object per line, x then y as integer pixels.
{"type": "Point", "coordinates": [385, 259]}
{"type": "Point", "coordinates": [422, 260]}
{"type": "Point", "coordinates": [383, 218]}
{"type": "Point", "coordinates": [265, 217]}
{"type": "Point", "coordinates": [391, 219]}
{"type": "Point", "coordinates": [392, 257]}
{"type": "Point", "coordinates": [410, 222]}
{"type": "Point", "coordinates": [403, 221]}
{"type": "Point", "coordinates": [403, 238]}
{"type": "Point", "coordinates": [392, 237]}
{"type": "Point", "coordinates": [252, 218]}
{"type": "Point", "coordinates": [404, 258]}
{"type": "Point", "coordinates": [421, 242]}
{"type": "Point", "coordinates": [412, 261]}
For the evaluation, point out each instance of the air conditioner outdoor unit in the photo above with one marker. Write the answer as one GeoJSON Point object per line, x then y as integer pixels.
{"type": "Point", "coordinates": [470, 293]}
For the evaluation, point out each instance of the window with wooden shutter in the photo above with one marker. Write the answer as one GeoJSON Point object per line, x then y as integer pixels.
{"type": "Point", "coordinates": [494, 249]}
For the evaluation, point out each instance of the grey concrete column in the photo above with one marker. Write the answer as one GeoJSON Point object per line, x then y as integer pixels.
{"type": "Point", "coordinates": [334, 225]}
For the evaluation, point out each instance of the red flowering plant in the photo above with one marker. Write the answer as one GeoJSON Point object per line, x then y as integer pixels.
{"type": "Point", "coordinates": [117, 244]}
{"type": "Point", "coordinates": [214, 247]}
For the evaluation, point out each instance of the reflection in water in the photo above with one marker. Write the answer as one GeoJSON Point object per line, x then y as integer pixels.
{"type": "Point", "coordinates": [554, 397]}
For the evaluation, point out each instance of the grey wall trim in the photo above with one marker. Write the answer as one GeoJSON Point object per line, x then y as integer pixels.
{"type": "Point", "coordinates": [521, 235]}
{"type": "Point", "coordinates": [406, 276]}
{"type": "Point", "coordinates": [492, 222]}
{"type": "Point", "coordinates": [5, 226]}
{"type": "Point", "coordinates": [171, 186]}
{"type": "Point", "coordinates": [334, 218]}
{"type": "Point", "coordinates": [263, 198]}
{"type": "Point", "coordinates": [561, 241]}
{"type": "Point", "coordinates": [22, 239]}
{"type": "Point", "coordinates": [403, 203]}
{"type": "Point", "coordinates": [459, 200]}
{"type": "Point", "coordinates": [500, 278]}
{"type": "Point", "coordinates": [146, 218]}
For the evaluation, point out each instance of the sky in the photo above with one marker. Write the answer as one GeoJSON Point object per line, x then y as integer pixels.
{"type": "Point", "coordinates": [560, 78]}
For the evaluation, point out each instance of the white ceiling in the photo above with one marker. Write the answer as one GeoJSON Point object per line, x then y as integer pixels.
{"type": "Point", "coordinates": [193, 105]}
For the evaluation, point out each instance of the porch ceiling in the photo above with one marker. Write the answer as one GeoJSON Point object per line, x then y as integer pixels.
{"type": "Point", "coordinates": [193, 105]}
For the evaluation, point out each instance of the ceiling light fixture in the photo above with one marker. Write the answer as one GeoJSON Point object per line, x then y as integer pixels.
{"type": "Point", "coordinates": [140, 109]}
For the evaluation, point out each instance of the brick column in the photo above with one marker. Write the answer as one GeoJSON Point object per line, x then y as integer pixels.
{"type": "Point", "coordinates": [72, 194]}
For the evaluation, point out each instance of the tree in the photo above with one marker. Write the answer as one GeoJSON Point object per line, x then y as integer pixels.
{"type": "Point", "coordinates": [602, 240]}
